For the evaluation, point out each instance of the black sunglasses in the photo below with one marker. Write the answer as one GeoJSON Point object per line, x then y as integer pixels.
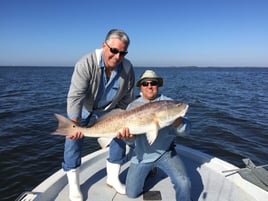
{"type": "Point", "coordinates": [152, 83]}
{"type": "Point", "coordinates": [116, 51]}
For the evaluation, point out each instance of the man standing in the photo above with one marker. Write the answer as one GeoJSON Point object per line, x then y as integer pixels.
{"type": "Point", "coordinates": [102, 80]}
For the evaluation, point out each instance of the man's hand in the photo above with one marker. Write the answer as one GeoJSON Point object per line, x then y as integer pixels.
{"type": "Point", "coordinates": [124, 134]}
{"type": "Point", "coordinates": [75, 136]}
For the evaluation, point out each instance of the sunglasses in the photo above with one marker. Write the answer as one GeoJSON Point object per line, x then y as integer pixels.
{"type": "Point", "coordinates": [116, 51]}
{"type": "Point", "coordinates": [152, 83]}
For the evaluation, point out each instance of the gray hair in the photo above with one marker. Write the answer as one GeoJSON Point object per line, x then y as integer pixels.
{"type": "Point", "coordinates": [119, 34]}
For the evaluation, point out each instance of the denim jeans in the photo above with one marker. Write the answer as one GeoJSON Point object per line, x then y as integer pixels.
{"type": "Point", "coordinates": [73, 150]}
{"type": "Point", "coordinates": [171, 164]}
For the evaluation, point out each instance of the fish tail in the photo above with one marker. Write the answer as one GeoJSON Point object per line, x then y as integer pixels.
{"type": "Point", "coordinates": [64, 125]}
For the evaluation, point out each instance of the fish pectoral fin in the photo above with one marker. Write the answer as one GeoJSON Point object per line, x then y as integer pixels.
{"type": "Point", "coordinates": [151, 136]}
{"type": "Point", "coordinates": [104, 142]}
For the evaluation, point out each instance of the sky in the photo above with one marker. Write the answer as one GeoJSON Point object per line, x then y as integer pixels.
{"type": "Point", "coordinates": [223, 33]}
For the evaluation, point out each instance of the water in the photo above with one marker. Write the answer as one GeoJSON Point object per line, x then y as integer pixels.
{"type": "Point", "coordinates": [228, 111]}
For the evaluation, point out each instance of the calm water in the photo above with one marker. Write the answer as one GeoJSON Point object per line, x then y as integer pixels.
{"type": "Point", "coordinates": [228, 111]}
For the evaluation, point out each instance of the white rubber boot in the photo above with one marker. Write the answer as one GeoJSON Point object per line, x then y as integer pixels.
{"type": "Point", "coordinates": [113, 181]}
{"type": "Point", "coordinates": [74, 185]}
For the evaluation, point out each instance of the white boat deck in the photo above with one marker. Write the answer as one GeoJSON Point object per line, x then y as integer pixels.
{"type": "Point", "coordinates": [205, 172]}
{"type": "Point", "coordinates": [93, 182]}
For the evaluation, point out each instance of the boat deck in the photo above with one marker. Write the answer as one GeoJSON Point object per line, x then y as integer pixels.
{"type": "Point", "coordinates": [208, 181]}
{"type": "Point", "coordinates": [94, 188]}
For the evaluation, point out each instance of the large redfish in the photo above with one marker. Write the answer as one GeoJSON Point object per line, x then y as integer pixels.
{"type": "Point", "coordinates": [145, 119]}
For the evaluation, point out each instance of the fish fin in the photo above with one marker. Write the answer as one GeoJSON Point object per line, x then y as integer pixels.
{"type": "Point", "coordinates": [104, 142]}
{"type": "Point", "coordinates": [152, 134]}
{"type": "Point", "coordinates": [64, 125]}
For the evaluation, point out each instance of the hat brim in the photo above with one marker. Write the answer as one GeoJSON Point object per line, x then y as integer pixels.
{"type": "Point", "coordinates": [159, 80]}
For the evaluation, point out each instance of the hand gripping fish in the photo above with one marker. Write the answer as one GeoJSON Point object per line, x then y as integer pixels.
{"type": "Point", "coordinates": [145, 119]}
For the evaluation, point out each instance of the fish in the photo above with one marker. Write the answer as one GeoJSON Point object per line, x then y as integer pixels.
{"type": "Point", "coordinates": [144, 119]}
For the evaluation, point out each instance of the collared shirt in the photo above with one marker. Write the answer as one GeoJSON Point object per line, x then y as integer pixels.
{"type": "Point", "coordinates": [107, 91]}
{"type": "Point", "coordinates": [85, 83]}
{"type": "Point", "coordinates": [107, 88]}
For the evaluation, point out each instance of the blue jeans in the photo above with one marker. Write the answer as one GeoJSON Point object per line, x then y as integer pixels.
{"type": "Point", "coordinates": [171, 164]}
{"type": "Point", "coordinates": [73, 148]}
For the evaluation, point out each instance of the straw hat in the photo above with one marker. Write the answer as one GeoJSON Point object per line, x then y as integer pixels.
{"type": "Point", "coordinates": [149, 75]}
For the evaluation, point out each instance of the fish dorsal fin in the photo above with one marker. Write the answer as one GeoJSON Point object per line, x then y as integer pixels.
{"type": "Point", "coordinates": [109, 114]}
{"type": "Point", "coordinates": [152, 134]}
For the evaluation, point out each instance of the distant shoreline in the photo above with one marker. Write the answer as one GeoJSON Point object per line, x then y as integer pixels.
{"type": "Point", "coordinates": [23, 66]}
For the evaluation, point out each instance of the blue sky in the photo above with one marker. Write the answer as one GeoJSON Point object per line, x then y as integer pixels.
{"type": "Point", "coordinates": [162, 32]}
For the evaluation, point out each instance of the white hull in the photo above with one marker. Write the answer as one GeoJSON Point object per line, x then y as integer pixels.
{"type": "Point", "coordinates": [209, 183]}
